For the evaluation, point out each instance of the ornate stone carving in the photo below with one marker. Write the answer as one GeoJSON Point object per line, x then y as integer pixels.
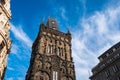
{"type": "Point", "coordinates": [54, 53]}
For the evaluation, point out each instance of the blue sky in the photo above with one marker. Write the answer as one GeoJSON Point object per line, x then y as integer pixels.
{"type": "Point", "coordinates": [94, 25]}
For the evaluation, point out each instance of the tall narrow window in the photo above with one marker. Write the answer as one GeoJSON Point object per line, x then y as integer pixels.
{"type": "Point", "coordinates": [55, 75]}
{"type": "Point", "coordinates": [53, 49]}
{"type": "Point", "coordinates": [58, 51]}
{"type": "Point", "coordinates": [107, 73]}
{"type": "Point", "coordinates": [61, 51]}
{"type": "Point", "coordinates": [115, 68]}
{"type": "Point", "coordinates": [118, 78]}
{"type": "Point", "coordinates": [49, 49]}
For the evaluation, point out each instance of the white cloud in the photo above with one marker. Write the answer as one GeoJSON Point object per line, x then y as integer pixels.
{"type": "Point", "coordinates": [14, 49]}
{"type": "Point", "coordinates": [63, 13]}
{"type": "Point", "coordinates": [20, 78]}
{"type": "Point", "coordinates": [24, 42]}
{"type": "Point", "coordinates": [9, 79]}
{"type": "Point", "coordinates": [99, 32]}
{"type": "Point", "coordinates": [21, 35]}
{"type": "Point", "coordinates": [10, 68]}
{"type": "Point", "coordinates": [84, 6]}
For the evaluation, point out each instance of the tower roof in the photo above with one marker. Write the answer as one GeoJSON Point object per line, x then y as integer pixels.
{"type": "Point", "coordinates": [52, 23]}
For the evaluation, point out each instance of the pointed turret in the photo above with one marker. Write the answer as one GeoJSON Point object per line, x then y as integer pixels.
{"type": "Point", "coordinates": [69, 30]}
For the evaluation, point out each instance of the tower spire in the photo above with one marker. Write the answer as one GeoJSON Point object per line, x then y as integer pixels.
{"type": "Point", "coordinates": [69, 30]}
{"type": "Point", "coordinates": [43, 20]}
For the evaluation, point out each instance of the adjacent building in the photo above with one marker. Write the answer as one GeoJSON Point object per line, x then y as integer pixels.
{"type": "Point", "coordinates": [109, 66]}
{"type": "Point", "coordinates": [51, 57]}
{"type": "Point", "coordinates": [5, 42]}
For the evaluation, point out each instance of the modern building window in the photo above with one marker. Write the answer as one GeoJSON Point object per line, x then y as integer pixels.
{"type": "Point", "coordinates": [107, 73]}
{"type": "Point", "coordinates": [115, 68]}
{"type": "Point", "coordinates": [118, 78]}
{"type": "Point", "coordinates": [55, 75]}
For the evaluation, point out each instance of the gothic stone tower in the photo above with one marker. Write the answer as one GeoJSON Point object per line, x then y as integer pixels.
{"type": "Point", "coordinates": [5, 42]}
{"type": "Point", "coordinates": [51, 54]}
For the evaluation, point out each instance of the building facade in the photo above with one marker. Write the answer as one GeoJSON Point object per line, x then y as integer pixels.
{"type": "Point", "coordinates": [109, 66]}
{"type": "Point", "coordinates": [5, 42]}
{"type": "Point", "coordinates": [51, 57]}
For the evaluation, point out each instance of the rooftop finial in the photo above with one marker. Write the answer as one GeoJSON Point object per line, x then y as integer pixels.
{"type": "Point", "coordinates": [69, 29]}
{"type": "Point", "coordinates": [48, 17]}
{"type": "Point", "coordinates": [43, 20]}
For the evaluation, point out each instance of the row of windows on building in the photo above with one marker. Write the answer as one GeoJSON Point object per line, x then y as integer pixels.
{"type": "Point", "coordinates": [110, 52]}
{"type": "Point", "coordinates": [111, 72]}
{"type": "Point", "coordinates": [57, 41]}
{"type": "Point", "coordinates": [110, 60]}
{"type": "Point", "coordinates": [51, 50]}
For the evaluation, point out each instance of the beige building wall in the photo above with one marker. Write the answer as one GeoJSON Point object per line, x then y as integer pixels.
{"type": "Point", "coordinates": [5, 42]}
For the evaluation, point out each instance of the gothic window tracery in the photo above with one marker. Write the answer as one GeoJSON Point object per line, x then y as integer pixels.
{"type": "Point", "coordinates": [50, 49]}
